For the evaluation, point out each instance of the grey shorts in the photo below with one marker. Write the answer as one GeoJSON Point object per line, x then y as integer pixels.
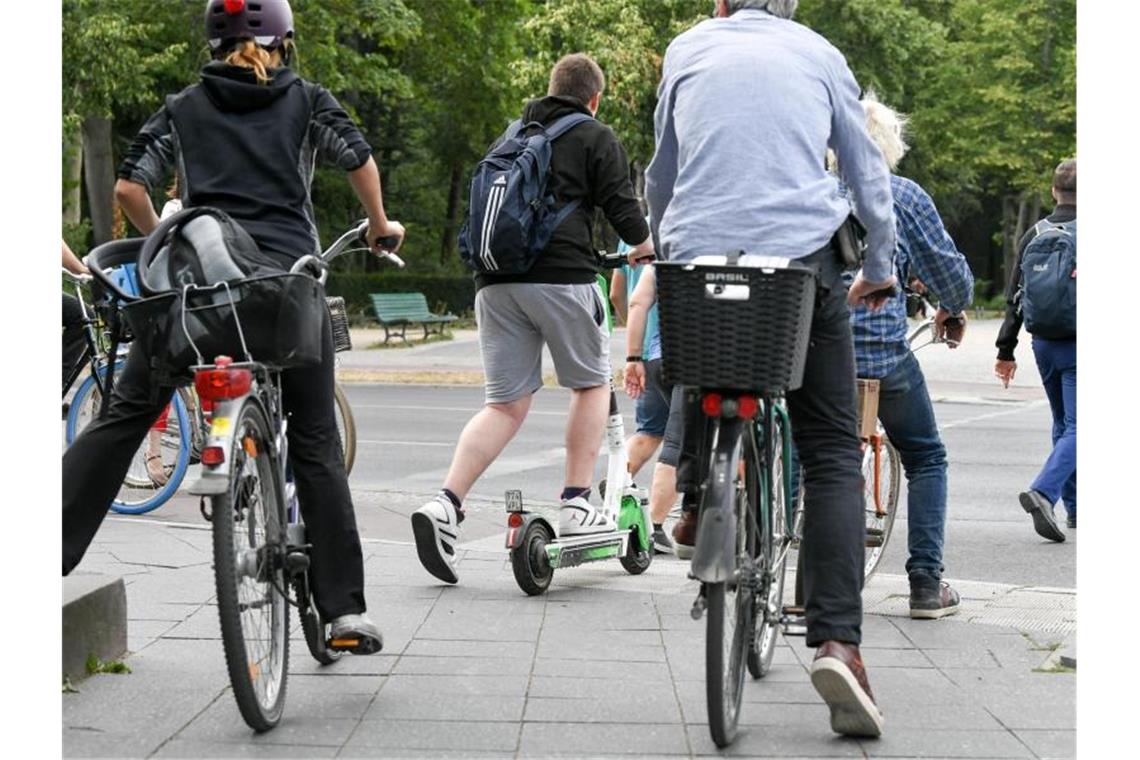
{"type": "Point", "coordinates": [515, 319]}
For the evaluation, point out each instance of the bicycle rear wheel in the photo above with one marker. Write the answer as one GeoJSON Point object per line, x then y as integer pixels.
{"type": "Point", "coordinates": [730, 606]}
{"type": "Point", "coordinates": [881, 473]}
{"type": "Point", "coordinates": [345, 428]}
{"type": "Point", "coordinates": [169, 440]}
{"type": "Point", "coordinates": [249, 546]}
{"type": "Point", "coordinates": [772, 546]}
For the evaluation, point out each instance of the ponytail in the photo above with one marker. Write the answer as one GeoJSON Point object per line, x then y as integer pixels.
{"type": "Point", "coordinates": [249, 55]}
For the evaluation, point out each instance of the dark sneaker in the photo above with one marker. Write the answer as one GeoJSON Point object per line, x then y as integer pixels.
{"type": "Point", "coordinates": [837, 673]}
{"type": "Point", "coordinates": [1041, 511]}
{"type": "Point", "coordinates": [685, 534]}
{"type": "Point", "coordinates": [931, 598]}
{"type": "Point", "coordinates": [355, 634]}
{"type": "Point", "coordinates": [662, 544]}
{"type": "Point", "coordinates": [1071, 521]}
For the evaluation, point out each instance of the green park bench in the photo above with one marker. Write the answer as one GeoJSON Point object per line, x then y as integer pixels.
{"type": "Point", "coordinates": [402, 309]}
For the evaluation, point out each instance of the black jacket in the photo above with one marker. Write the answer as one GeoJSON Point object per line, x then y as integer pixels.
{"type": "Point", "coordinates": [1007, 336]}
{"type": "Point", "coordinates": [248, 149]}
{"type": "Point", "coordinates": [589, 164]}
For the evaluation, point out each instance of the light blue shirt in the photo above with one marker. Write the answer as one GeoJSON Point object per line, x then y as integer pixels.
{"type": "Point", "coordinates": [747, 107]}
{"type": "Point", "coordinates": [651, 343]}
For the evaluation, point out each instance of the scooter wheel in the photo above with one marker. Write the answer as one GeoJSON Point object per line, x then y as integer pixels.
{"type": "Point", "coordinates": [636, 561]}
{"type": "Point", "coordinates": [532, 570]}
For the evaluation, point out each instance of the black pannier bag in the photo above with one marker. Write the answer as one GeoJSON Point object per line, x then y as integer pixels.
{"type": "Point", "coordinates": [208, 290]}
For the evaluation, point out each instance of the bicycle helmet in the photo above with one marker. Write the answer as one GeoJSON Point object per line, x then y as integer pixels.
{"type": "Point", "coordinates": [267, 22]}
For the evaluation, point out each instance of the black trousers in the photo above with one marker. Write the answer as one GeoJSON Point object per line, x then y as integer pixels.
{"type": "Point", "coordinates": [824, 424]}
{"type": "Point", "coordinates": [97, 461]}
{"type": "Point", "coordinates": [74, 342]}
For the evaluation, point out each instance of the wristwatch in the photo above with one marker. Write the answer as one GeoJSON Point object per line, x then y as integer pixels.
{"type": "Point", "coordinates": [634, 359]}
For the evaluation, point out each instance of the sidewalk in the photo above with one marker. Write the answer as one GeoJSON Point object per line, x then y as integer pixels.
{"type": "Point", "coordinates": [604, 664]}
{"type": "Point", "coordinates": [964, 373]}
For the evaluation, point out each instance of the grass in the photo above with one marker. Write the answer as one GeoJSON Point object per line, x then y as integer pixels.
{"type": "Point", "coordinates": [95, 665]}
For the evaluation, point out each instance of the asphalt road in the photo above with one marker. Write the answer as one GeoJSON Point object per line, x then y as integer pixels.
{"type": "Point", "coordinates": [407, 433]}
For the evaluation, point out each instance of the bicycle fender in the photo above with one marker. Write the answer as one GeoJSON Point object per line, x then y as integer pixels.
{"type": "Point", "coordinates": [515, 535]}
{"type": "Point", "coordinates": [215, 479]}
{"type": "Point", "coordinates": [714, 556]}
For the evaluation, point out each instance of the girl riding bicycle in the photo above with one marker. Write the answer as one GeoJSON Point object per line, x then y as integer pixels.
{"type": "Point", "coordinates": [244, 139]}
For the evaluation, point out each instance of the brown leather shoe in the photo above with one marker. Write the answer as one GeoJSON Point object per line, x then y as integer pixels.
{"type": "Point", "coordinates": [838, 675]}
{"type": "Point", "coordinates": [685, 534]}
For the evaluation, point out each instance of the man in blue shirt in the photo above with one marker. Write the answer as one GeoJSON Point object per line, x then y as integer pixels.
{"type": "Point", "coordinates": [748, 105]}
{"type": "Point", "coordinates": [926, 251]}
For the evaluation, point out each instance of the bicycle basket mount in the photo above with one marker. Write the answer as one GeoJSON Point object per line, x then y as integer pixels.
{"type": "Point", "coordinates": [735, 327]}
{"type": "Point", "coordinates": [208, 290]}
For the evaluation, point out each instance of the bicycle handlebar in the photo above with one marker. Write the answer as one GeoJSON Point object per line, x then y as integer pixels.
{"type": "Point", "coordinates": [354, 241]}
{"type": "Point", "coordinates": [618, 260]}
{"type": "Point", "coordinates": [78, 279]}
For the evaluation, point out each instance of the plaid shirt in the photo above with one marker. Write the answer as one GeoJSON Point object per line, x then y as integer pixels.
{"type": "Point", "coordinates": [925, 251]}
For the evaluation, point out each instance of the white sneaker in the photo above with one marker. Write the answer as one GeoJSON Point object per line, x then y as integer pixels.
{"type": "Point", "coordinates": [577, 518]}
{"type": "Point", "coordinates": [436, 528]}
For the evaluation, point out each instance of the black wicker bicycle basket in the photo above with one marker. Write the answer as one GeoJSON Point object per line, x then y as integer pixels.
{"type": "Point", "coordinates": [735, 327]}
{"type": "Point", "coordinates": [278, 316]}
{"type": "Point", "coordinates": [338, 315]}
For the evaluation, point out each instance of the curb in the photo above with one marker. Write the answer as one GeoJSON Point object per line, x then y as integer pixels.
{"type": "Point", "coordinates": [94, 621]}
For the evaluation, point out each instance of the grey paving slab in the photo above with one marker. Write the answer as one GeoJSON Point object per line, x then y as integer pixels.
{"type": "Point", "coordinates": [300, 662]}
{"type": "Point", "coordinates": [601, 739]}
{"type": "Point", "coordinates": [221, 722]}
{"type": "Point", "coordinates": [493, 686]}
{"type": "Point", "coordinates": [424, 646]}
{"type": "Point", "coordinates": [440, 706]}
{"type": "Point", "coordinates": [572, 687]}
{"type": "Point", "coordinates": [695, 709]}
{"type": "Point", "coordinates": [201, 749]}
{"type": "Point", "coordinates": [924, 742]}
{"type": "Point", "coordinates": [642, 671]}
{"type": "Point", "coordinates": [805, 740]}
{"type": "Point", "coordinates": [611, 709]}
{"type": "Point", "coordinates": [462, 666]}
{"type": "Point", "coordinates": [83, 742]}
{"type": "Point", "coordinates": [389, 738]}
{"type": "Point", "coordinates": [1050, 743]}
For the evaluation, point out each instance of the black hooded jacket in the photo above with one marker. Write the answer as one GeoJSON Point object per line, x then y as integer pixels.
{"type": "Point", "coordinates": [587, 163]}
{"type": "Point", "coordinates": [248, 149]}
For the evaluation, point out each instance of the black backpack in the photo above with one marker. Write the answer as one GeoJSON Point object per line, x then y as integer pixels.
{"type": "Point", "coordinates": [208, 290]}
{"type": "Point", "coordinates": [511, 218]}
{"type": "Point", "coordinates": [1048, 288]}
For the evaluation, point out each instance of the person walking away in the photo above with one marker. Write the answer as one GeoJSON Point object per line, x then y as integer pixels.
{"type": "Point", "coordinates": [882, 352]}
{"type": "Point", "coordinates": [718, 183]}
{"type": "Point", "coordinates": [652, 397]}
{"type": "Point", "coordinates": [1042, 294]}
{"type": "Point", "coordinates": [244, 139]}
{"type": "Point", "coordinates": [555, 302]}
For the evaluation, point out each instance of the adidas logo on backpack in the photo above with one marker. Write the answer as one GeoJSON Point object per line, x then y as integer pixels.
{"type": "Point", "coordinates": [511, 218]}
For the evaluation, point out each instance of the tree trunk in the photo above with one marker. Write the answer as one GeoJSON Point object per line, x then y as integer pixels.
{"type": "Point", "coordinates": [99, 175]}
{"type": "Point", "coordinates": [1008, 241]}
{"type": "Point", "coordinates": [72, 176]}
{"type": "Point", "coordinates": [451, 223]}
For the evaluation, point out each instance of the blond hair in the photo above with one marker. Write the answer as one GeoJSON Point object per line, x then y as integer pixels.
{"type": "Point", "coordinates": [886, 127]}
{"type": "Point", "coordinates": [249, 55]}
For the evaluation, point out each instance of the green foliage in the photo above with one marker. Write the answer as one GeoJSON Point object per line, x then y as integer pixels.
{"type": "Point", "coordinates": [444, 293]}
{"type": "Point", "coordinates": [990, 88]}
{"type": "Point", "coordinates": [95, 665]}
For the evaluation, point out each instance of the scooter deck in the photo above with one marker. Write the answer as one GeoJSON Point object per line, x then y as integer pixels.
{"type": "Point", "coordinates": [577, 550]}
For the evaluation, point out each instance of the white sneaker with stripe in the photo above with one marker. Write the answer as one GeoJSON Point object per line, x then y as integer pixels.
{"type": "Point", "coordinates": [577, 518]}
{"type": "Point", "coordinates": [436, 528]}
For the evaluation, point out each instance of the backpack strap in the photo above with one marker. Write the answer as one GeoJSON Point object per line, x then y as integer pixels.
{"type": "Point", "coordinates": [565, 123]}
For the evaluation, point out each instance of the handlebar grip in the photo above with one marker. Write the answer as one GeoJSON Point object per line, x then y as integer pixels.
{"type": "Point", "coordinates": [389, 242]}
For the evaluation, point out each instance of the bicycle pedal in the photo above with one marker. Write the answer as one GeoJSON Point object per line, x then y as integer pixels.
{"type": "Point", "coordinates": [339, 645]}
{"type": "Point", "coordinates": [874, 532]}
{"type": "Point", "coordinates": [873, 542]}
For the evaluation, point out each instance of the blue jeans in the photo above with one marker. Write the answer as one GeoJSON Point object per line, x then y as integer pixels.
{"type": "Point", "coordinates": [1057, 362]}
{"type": "Point", "coordinates": [908, 418]}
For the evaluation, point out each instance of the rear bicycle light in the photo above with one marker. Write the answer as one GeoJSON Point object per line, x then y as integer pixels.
{"type": "Point", "coordinates": [711, 404]}
{"type": "Point", "coordinates": [223, 383]}
{"type": "Point", "coordinates": [213, 455]}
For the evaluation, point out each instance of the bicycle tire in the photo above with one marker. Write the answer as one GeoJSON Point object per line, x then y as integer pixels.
{"type": "Point", "coordinates": [878, 529]}
{"type": "Point", "coordinates": [772, 547]}
{"type": "Point", "coordinates": [253, 494]}
{"type": "Point", "coordinates": [345, 428]}
{"type": "Point", "coordinates": [726, 639]}
{"type": "Point", "coordinates": [528, 560]}
{"type": "Point", "coordinates": [138, 494]}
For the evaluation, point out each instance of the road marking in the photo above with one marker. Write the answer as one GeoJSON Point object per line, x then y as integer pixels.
{"type": "Point", "coordinates": [991, 415]}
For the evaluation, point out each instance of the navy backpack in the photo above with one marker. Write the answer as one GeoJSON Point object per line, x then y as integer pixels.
{"type": "Point", "coordinates": [511, 215]}
{"type": "Point", "coordinates": [1048, 288]}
